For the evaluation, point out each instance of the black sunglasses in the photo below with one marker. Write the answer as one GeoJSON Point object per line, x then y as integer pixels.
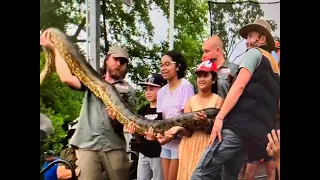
{"type": "Point", "coordinates": [123, 60]}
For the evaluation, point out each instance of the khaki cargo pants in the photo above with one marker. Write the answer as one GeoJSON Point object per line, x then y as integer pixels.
{"type": "Point", "coordinates": [92, 163]}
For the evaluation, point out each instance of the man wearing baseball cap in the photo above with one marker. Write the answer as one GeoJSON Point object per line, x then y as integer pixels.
{"type": "Point", "coordinates": [149, 163]}
{"type": "Point", "coordinates": [49, 157]}
{"type": "Point", "coordinates": [99, 137]}
{"type": "Point", "coordinates": [249, 110]}
{"type": "Point", "coordinates": [119, 53]}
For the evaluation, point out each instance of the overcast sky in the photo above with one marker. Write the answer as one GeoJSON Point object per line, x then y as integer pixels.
{"type": "Point", "coordinates": [271, 12]}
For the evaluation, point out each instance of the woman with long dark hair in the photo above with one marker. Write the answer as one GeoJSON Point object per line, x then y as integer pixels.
{"type": "Point", "coordinates": [170, 102]}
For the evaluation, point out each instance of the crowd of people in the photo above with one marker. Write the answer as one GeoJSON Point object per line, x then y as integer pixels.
{"type": "Point", "coordinates": [243, 133]}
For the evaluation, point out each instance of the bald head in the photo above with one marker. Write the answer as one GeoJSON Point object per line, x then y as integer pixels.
{"type": "Point", "coordinates": [213, 49]}
{"type": "Point", "coordinates": [214, 42]}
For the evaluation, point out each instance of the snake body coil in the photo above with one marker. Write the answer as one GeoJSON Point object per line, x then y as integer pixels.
{"type": "Point", "coordinates": [107, 92]}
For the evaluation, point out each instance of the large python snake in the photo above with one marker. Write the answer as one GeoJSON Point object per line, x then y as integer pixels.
{"type": "Point", "coordinates": [107, 92]}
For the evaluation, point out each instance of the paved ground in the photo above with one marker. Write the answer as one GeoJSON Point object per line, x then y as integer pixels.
{"type": "Point", "coordinates": [261, 172]}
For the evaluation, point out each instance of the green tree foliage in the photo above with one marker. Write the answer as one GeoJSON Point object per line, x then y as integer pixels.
{"type": "Point", "coordinates": [190, 27]}
{"type": "Point", "coordinates": [227, 19]}
{"type": "Point", "coordinates": [58, 13]}
{"type": "Point", "coordinates": [131, 27]}
{"type": "Point", "coordinates": [60, 104]}
{"type": "Point", "coordinates": [190, 23]}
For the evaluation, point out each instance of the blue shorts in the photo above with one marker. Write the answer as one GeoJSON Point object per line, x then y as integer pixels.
{"type": "Point", "coordinates": [169, 154]}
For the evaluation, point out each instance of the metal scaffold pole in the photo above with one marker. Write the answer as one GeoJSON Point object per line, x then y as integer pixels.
{"type": "Point", "coordinates": [87, 30]}
{"type": "Point", "coordinates": [93, 29]}
{"type": "Point", "coordinates": [171, 24]}
{"type": "Point", "coordinates": [94, 36]}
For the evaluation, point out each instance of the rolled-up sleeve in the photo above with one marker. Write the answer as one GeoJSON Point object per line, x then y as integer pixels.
{"type": "Point", "coordinates": [251, 60]}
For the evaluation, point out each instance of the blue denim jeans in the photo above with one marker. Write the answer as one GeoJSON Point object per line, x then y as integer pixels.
{"type": "Point", "coordinates": [227, 155]}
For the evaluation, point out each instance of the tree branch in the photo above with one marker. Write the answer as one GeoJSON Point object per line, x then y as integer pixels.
{"type": "Point", "coordinates": [230, 46]}
{"type": "Point", "coordinates": [234, 48]}
{"type": "Point", "coordinates": [105, 29]}
{"type": "Point", "coordinates": [236, 45]}
{"type": "Point", "coordinates": [80, 40]}
{"type": "Point", "coordinates": [80, 27]}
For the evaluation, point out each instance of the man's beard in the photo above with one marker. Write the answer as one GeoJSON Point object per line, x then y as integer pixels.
{"type": "Point", "coordinates": [115, 74]}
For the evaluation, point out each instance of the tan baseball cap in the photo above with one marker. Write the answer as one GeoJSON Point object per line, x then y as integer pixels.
{"type": "Point", "coordinates": [117, 51]}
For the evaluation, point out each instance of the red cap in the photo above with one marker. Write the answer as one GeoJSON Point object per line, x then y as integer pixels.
{"type": "Point", "coordinates": [206, 59]}
{"type": "Point", "coordinates": [277, 43]}
{"type": "Point", "coordinates": [207, 66]}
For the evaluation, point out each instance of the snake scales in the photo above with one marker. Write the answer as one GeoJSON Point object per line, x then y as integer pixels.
{"type": "Point", "coordinates": [107, 92]}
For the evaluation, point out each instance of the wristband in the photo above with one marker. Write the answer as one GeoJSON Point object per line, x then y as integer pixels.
{"type": "Point", "coordinates": [218, 118]}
